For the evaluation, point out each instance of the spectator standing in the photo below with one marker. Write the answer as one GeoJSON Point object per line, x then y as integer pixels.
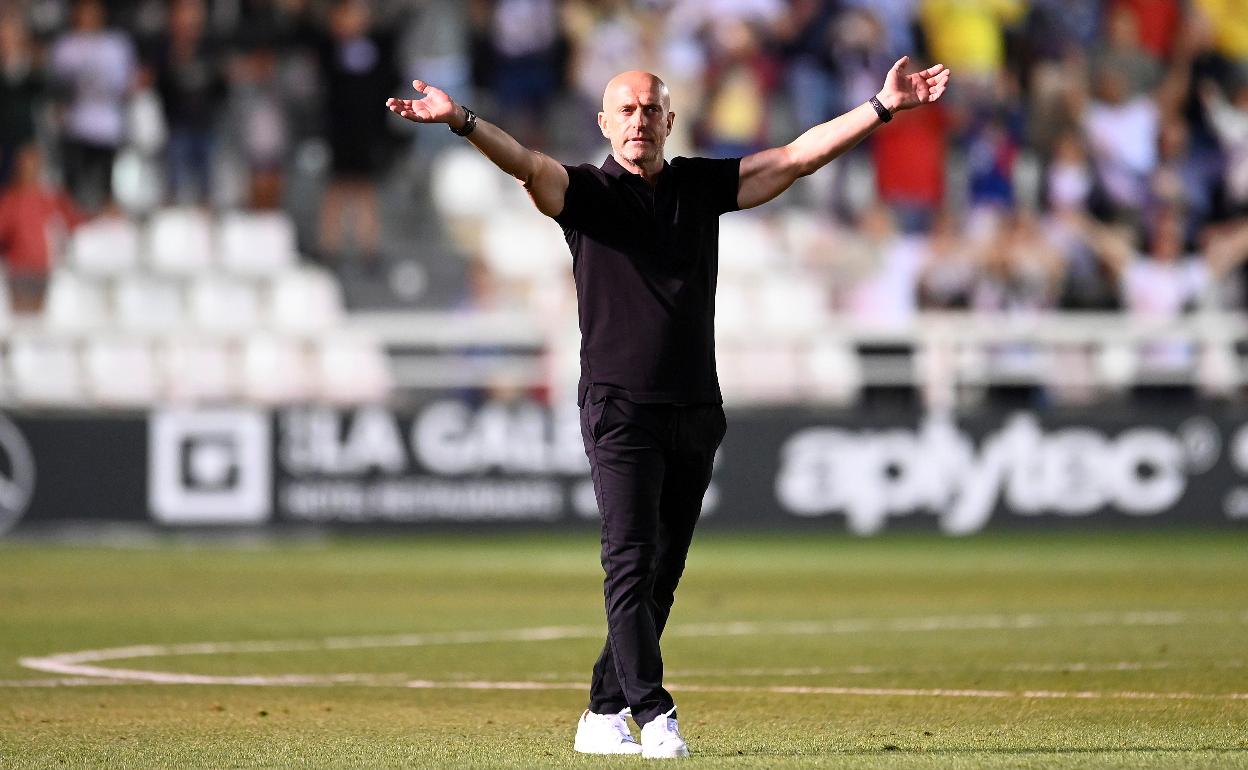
{"type": "Point", "coordinates": [1157, 23]}
{"type": "Point", "coordinates": [20, 89]}
{"type": "Point", "coordinates": [527, 51]}
{"type": "Point", "coordinates": [1181, 179]}
{"type": "Point", "coordinates": [358, 71]}
{"type": "Point", "coordinates": [1229, 121]}
{"type": "Point", "coordinates": [910, 165]}
{"type": "Point", "coordinates": [191, 85]}
{"type": "Point", "coordinates": [806, 34]}
{"type": "Point", "coordinates": [897, 18]}
{"type": "Point", "coordinates": [34, 220]}
{"type": "Point", "coordinates": [258, 116]}
{"type": "Point", "coordinates": [1122, 51]}
{"type": "Point", "coordinates": [1229, 25]}
{"type": "Point", "coordinates": [968, 36]}
{"type": "Point", "coordinates": [992, 148]}
{"type": "Point", "coordinates": [739, 76]}
{"type": "Point", "coordinates": [96, 67]}
{"type": "Point", "coordinates": [884, 293]}
{"type": "Point", "coordinates": [1122, 133]}
{"type": "Point", "coordinates": [947, 273]}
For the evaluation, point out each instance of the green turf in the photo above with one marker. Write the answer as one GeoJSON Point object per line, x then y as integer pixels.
{"type": "Point", "coordinates": [923, 606]}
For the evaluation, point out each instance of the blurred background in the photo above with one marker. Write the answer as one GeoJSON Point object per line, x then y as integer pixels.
{"type": "Point", "coordinates": [209, 221]}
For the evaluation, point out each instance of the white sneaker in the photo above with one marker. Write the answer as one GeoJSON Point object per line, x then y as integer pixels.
{"type": "Point", "coordinates": [605, 734]}
{"type": "Point", "coordinates": [660, 738]}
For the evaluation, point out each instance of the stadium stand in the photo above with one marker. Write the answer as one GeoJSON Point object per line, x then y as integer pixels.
{"type": "Point", "coordinates": [1019, 250]}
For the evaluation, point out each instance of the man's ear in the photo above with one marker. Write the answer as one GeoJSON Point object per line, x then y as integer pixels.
{"type": "Point", "coordinates": [602, 124]}
{"type": "Point", "coordinates": [671, 119]}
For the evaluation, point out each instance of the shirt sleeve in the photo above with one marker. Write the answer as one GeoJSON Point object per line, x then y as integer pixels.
{"type": "Point", "coordinates": [717, 180]}
{"type": "Point", "coordinates": [578, 204]}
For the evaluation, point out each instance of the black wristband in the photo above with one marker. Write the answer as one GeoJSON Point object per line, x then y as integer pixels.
{"type": "Point", "coordinates": [470, 122]}
{"type": "Point", "coordinates": [880, 109]}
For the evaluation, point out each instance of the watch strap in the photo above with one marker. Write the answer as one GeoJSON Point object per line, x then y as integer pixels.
{"type": "Point", "coordinates": [470, 123]}
{"type": "Point", "coordinates": [880, 109]}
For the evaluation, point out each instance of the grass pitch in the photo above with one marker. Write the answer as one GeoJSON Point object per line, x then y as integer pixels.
{"type": "Point", "coordinates": [1088, 651]}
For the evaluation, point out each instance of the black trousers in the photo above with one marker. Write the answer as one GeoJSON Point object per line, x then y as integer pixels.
{"type": "Point", "coordinates": [651, 465]}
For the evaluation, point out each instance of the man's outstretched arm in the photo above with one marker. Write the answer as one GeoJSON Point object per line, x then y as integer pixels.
{"type": "Point", "coordinates": [545, 179]}
{"type": "Point", "coordinates": [766, 174]}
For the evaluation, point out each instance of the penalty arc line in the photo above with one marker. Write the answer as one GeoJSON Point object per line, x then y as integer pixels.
{"type": "Point", "coordinates": [78, 671]}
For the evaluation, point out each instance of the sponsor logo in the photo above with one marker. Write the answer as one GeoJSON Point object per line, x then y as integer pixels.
{"type": "Point", "coordinates": [501, 461]}
{"type": "Point", "coordinates": [872, 475]}
{"type": "Point", "coordinates": [17, 474]}
{"type": "Point", "coordinates": [210, 467]}
{"type": "Point", "coordinates": [448, 462]}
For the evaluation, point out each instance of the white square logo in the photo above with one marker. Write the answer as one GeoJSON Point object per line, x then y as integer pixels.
{"type": "Point", "coordinates": [210, 467]}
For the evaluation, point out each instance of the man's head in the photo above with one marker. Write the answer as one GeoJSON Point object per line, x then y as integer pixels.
{"type": "Point", "coordinates": [636, 117]}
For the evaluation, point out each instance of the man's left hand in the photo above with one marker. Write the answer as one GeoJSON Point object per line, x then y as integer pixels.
{"type": "Point", "coordinates": [902, 91]}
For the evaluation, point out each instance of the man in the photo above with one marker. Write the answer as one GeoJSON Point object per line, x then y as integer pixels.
{"type": "Point", "coordinates": [644, 240]}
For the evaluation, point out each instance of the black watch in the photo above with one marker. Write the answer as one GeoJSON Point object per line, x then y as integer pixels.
{"type": "Point", "coordinates": [880, 109]}
{"type": "Point", "coordinates": [470, 122]}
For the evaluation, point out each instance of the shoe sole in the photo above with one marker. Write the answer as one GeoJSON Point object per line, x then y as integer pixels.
{"type": "Point", "coordinates": [617, 751]}
{"type": "Point", "coordinates": [621, 753]}
{"type": "Point", "coordinates": [677, 754]}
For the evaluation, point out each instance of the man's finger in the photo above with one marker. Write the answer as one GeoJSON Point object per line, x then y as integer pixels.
{"type": "Point", "coordinates": [901, 63]}
{"type": "Point", "coordinates": [420, 85]}
{"type": "Point", "coordinates": [932, 70]}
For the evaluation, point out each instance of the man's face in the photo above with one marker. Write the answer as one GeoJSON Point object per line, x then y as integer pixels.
{"type": "Point", "coordinates": [636, 117]}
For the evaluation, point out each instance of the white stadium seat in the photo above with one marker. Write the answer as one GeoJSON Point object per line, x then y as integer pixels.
{"type": "Point", "coordinates": [833, 373]}
{"type": "Point", "coordinates": [275, 370]}
{"type": "Point", "coordinates": [466, 185]}
{"type": "Point", "coordinates": [793, 306]}
{"type": "Point", "coordinates": [1117, 365]}
{"type": "Point", "coordinates": [770, 372]}
{"type": "Point", "coordinates": [199, 370]}
{"type": "Point", "coordinates": [745, 246]}
{"type": "Point", "coordinates": [104, 247]}
{"type": "Point", "coordinates": [735, 308]}
{"type": "Point", "coordinates": [179, 241]}
{"type": "Point", "coordinates": [75, 304]}
{"type": "Point", "coordinates": [352, 370]}
{"type": "Point", "coordinates": [257, 244]}
{"type": "Point", "coordinates": [524, 246]}
{"type": "Point", "coordinates": [46, 372]}
{"type": "Point", "coordinates": [307, 300]}
{"type": "Point", "coordinates": [146, 303]}
{"type": "Point", "coordinates": [121, 372]}
{"type": "Point", "coordinates": [223, 305]}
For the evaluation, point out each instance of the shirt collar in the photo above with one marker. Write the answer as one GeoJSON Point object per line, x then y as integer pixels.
{"type": "Point", "coordinates": [612, 167]}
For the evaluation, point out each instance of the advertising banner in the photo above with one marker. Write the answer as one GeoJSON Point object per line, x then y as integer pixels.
{"type": "Point", "coordinates": [452, 462]}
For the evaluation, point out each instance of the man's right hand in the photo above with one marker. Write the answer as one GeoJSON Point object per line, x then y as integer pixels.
{"type": "Point", "coordinates": [435, 107]}
{"type": "Point", "coordinates": [545, 180]}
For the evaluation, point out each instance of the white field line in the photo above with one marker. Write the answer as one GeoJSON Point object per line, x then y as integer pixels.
{"type": "Point", "coordinates": [430, 684]}
{"type": "Point", "coordinates": [862, 670]}
{"type": "Point", "coordinates": [64, 682]}
{"type": "Point", "coordinates": [77, 668]}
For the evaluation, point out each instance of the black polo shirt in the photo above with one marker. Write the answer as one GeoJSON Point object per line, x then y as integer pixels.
{"type": "Point", "coordinates": [645, 261]}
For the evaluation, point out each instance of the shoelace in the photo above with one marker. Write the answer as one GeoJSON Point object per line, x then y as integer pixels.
{"type": "Point", "coordinates": [617, 722]}
{"type": "Point", "coordinates": [620, 723]}
{"type": "Point", "coordinates": [666, 725]}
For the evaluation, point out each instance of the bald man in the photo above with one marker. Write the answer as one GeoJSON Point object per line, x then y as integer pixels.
{"type": "Point", "coordinates": [644, 238]}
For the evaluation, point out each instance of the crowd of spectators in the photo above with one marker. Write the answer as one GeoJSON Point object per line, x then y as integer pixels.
{"type": "Point", "coordinates": [1090, 155]}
